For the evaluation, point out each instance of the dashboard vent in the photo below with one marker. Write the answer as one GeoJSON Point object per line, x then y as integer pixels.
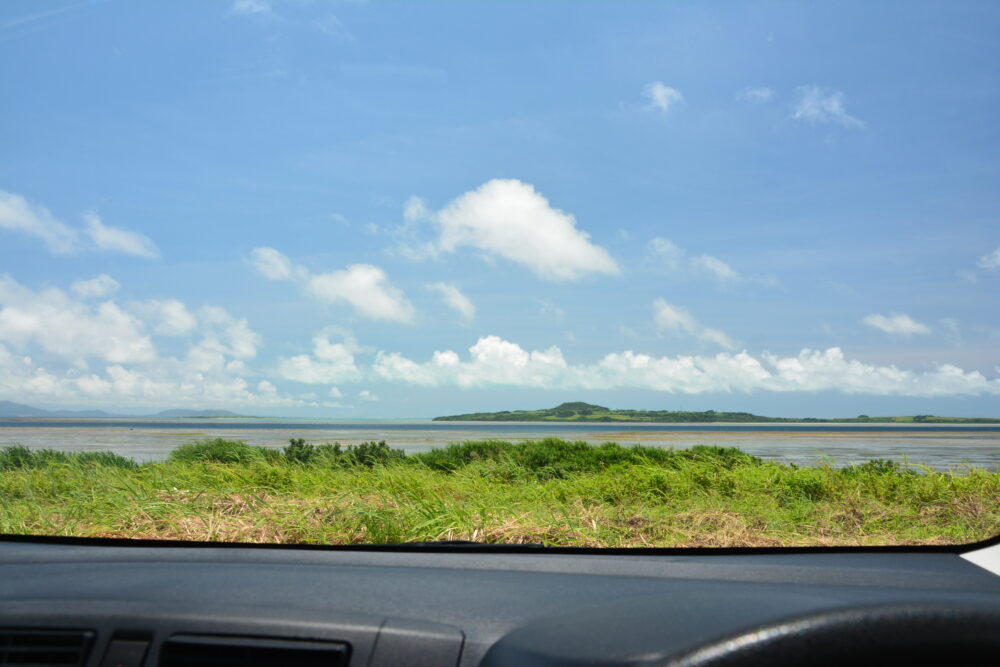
{"type": "Point", "coordinates": [43, 648]}
{"type": "Point", "coordinates": [208, 651]}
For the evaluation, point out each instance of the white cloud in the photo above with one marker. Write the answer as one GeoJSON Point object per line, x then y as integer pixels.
{"type": "Point", "coordinates": [455, 300]}
{"type": "Point", "coordinates": [364, 287]}
{"type": "Point", "coordinates": [493, 362]}
{"type": "Point", "coordinates": [667, 254]}
{"type": "Point", "coordinates": [367, 289]}
{"type": "Point", "coordinates": [333, 27]}
{"type": "Point", "coordinates": [661, 96]}
{"type": "Point", "coordinates": [57, 350]}
{"type": "Point", "coordinates": [415, 209]}
{"type": "Point", "coordinates": [330, 362]}
{"type": "Point", "coordinates": [119, 240]}
{"type": "Point", "coordinates": [250, 8]}
{"type": "Point", "coordinates": [59, 325]}
{"type": "Point", "coordinates": [990, 261]}
{"type": "Point", "coordinates": [550, 310]}
{"type": "Point", "coordinates": [168, 317]}
{"type": "Point", "coordinates": [17, 214]}
{"type": "Point", "coordinates": [755, 94]}
{"type": "Point", "coordinates": [96, 287]}
{"type": "Point", "coordinates": [816, 105]}
{"type": "Point", "coordinates": [509, 219]}
{"type": "Point", "coordinates": [366, 395]}
{"type": "Point", "coordinates": [271, 263]}
{"type": "Point", "coordinates": [899, 324]}
{"type": "Point", "coordinates": [722, 271]}
{"type": "Point", "coordinates": [671, 318]}
{"type": "Point", "coordinates": [335, 393]}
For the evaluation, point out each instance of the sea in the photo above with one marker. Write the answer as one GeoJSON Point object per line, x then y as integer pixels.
{"type": "Point", "coordinates": [944, 447]}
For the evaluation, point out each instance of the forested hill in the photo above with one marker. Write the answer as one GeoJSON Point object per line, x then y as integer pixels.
{"type": "Point", "coordinates": [586, 412]}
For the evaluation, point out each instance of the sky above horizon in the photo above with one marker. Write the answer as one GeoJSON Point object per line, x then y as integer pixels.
{"type": "Point", "coordinates": [394, 209]}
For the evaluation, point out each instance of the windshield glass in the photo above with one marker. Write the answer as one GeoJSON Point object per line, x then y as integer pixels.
{"type": "Point", "coordinates": [590, 274]}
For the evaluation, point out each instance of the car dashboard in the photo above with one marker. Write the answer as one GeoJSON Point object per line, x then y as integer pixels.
{"type": "Point", "coordinates": [150, 606]}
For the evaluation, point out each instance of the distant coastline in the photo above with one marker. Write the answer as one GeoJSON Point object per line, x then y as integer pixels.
{"type": "Point", "coordinates": [586, 412]}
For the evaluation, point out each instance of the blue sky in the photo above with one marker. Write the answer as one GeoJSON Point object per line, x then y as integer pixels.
{"type": "Point", "coordinates": [396, 209]}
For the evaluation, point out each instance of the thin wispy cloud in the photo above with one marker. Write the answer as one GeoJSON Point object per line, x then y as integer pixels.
{"type": "Point", "coordinates": [666, 254]}
{"type": "Point", "coordinates": [990, 261]}
{"type": "Point", "coordinates": [455, 300]}
{"type": "Point", "coordinates": [674, 319]}
{"type": "Point", "coordinates": [332, 26]}
{"type": "Point", "coordinates": [18, 215]}
{"type": "Point", "coordinates": [818, 106]}
{"type": "Point", "coordinates": [897, 324]}
{"type": "Point", "coordinates": [114, 239]}
{"type": "Point", "coordinates": [756, 95]}
{"type": "Point", "coordinates": [661, 96]}
{"type": "Point", "coordinates": [259, 8]}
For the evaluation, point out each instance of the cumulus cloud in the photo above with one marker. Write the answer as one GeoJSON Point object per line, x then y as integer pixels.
{"type": "Point", "coordinates": [366, 395]}
{"type": "Point", "coordinates": [330, 362]}
{"type": "Point", "coordinates": [271, 263]}
{"type": "Point", "coordinates": [661, 96]}
{"type": "Point", "coordinates": [755, 95]}
{"type": "Point", "coordinates": [53, 321]}
{"type": "Point", "coordinates": [367, 289]}
{"type": "Point", "coordinates": [455, 300]}
{"type": "Point", "coordinates": [990, 261]}
{"type": "Point", "coordinates": [56, 349]}
{"type": "Point", "coordinates": [364, 287]}
{"type": "Point", "coordinates": [168, 317]}
{"type": "Point", "coordinates": [816, 105]}
{"type": "Point", "coordinates": [493, 361]}
{"type": "Point", "coordinates": [671, 318]}
{"type": "Point", "coordinates": [96, 287]}
{"type": "Point", "coordinates": [509, 219]}
{"type": "Point", "coordinates": [897, 324]}
{"type": "Point", "coordinates": [16, 214]}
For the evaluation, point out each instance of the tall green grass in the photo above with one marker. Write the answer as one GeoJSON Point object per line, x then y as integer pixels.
{"type": "Point", "coordinates": [548, 491]}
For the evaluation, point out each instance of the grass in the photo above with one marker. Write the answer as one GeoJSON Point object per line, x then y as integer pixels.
{"type": "Point", "coordinates": [549, 491]}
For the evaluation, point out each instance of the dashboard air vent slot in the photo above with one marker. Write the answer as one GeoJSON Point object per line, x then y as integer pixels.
{"type": "Point", "coordinates": [211, 651]}
{"type": "Point", "coordinates": [43, 648]}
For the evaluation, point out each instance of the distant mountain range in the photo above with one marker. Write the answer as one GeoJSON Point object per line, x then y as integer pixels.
{"type": "Point", "coordinates": [587, 412]}
{"type": "Point", "coordinates": [11, 410]}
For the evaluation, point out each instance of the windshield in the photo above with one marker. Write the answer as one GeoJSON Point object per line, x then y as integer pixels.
{"type": "Point", "coordinates": [590, 274]}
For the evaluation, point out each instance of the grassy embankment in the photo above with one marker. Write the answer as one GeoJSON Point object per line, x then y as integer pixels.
{"type": "Point", "coordinates": [552, 491]}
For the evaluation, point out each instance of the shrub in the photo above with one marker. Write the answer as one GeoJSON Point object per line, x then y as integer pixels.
{"type": "Point", "coordinates": [218, 451]}
{"type": "Point", "coordinates": [18, 456]}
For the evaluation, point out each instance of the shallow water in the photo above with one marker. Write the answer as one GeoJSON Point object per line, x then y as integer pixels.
{"type": "Point", "coordinates": [942, 447]}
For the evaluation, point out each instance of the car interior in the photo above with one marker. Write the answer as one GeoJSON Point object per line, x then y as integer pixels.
{"type": "Point", "coordinates": [111, 603]}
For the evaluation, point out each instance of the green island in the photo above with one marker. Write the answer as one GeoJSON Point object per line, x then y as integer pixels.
{"type": "Point", "coordinates": [586, 412]}
{"type": "Point", "coordinates": [551, 492]}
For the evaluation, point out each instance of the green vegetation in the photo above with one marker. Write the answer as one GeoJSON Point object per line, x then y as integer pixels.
{"type": "Point", "coordinates": [549, 491]}
{"type": "Point", "coordinates": [587, 412]}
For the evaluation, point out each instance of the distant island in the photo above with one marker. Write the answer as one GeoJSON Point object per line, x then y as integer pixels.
{"type": "Point", "coordinates": [587, 412]}
{"type": "Point", "coordinates": [11, 410]}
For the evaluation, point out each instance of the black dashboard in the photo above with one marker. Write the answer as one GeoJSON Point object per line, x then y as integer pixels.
{"type": "Point", "coordinates": [166, 605]}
